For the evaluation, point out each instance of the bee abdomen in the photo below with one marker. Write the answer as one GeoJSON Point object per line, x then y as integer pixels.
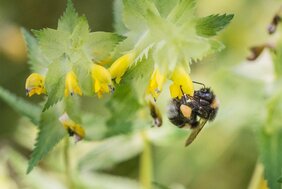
{"type": "Point", "coordinates": [174, 114]}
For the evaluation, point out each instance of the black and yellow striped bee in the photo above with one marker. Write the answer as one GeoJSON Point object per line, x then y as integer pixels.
{"type": "Point", "coordinates": [193, 111]}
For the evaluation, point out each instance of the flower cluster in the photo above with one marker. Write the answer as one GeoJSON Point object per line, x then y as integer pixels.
{"type": "Point", "coordinates": [180, 79]}
{"type": "Point", "coordinates": [101, 79]}
{"type": "Point", "coordinates": [167, 42]}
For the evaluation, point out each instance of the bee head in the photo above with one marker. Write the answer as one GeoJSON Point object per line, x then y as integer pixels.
{"type": "Point", "coordinates": [205, 93]}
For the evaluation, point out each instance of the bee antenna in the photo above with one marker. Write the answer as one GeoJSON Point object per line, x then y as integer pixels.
{"type": "Point", "coordinates": [181, 90]}
{"type": "Point", "coordinates": [199, 83]}
{"type": "Point", "coordinates": [186, 96]}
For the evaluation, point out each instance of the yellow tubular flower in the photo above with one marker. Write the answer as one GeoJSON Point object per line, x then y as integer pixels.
{"type": "Point", "coordinates": [72, 86]}
{"type": "Point", "coordinates": [119, 67]}
{"type": "Point", "coordinates": [156, 83]}
{"type": "Point", "coordinates": [73, 128]}
{"type": "Point", "coordinates": [181, 79]}
{"type": "Point", "coordinates": [35, 84]}
{"type": "Point", "coordinates": [102, 79]}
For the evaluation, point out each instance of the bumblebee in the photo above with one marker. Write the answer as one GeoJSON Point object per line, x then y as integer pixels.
{"type": "Point", "coordinates": [193, 111]}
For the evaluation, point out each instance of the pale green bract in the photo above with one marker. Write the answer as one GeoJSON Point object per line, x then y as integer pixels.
{"type": "Point", "coordinates": [172, 30]}
{"type": "Point", "coordinates": [50, 133]}
{"type": "Point", "coordinates": [69, 47]}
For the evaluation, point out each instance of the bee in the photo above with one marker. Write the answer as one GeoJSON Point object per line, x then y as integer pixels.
{"type": "Point", "coordinates": [193, 111]}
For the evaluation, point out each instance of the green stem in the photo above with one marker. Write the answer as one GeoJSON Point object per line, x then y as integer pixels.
{"type": "Point", "coordinates": [146, 163]}
{"type": "Point", "coordinates": [67, 164]}
{"type": "Point", "coordinates": [257, 180]}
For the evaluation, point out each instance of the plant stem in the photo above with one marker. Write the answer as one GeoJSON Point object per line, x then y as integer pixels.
{"type": "Point", "coordinates": [67, 164]}
{"type": "Point", "coordinates": [146, 163]}
{"type": "Point", "coordinates": [258, 181]}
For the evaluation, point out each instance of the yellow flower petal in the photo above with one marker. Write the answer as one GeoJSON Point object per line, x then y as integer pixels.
{"type": "Point", "coordinates": [156, 83]}
{"type": "Point", "coordinates": [181, 80]}
{"type": "Point", "coordinates": [174, 90]}
{"type": "Point", "coordinates": [72, 127]}
{"type": "Point", "coordinates": [119, 67]}
{"type": "Point", "coordinates": [97, 86]}
{"type": "Point", "coordinates": [102, 79]}
{"type": "Point", "coordinates": [35, 84]}
{"type": "Point", "coordinates": [72, 86]}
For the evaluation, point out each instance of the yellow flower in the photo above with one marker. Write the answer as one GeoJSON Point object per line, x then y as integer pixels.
{"type": "Point", "coordinates": [119, 67]}
{"type": "Point", "coordinates": [73, 128]}
{"type": "Point", "coordinates": [156, 83]}
{"type": "Point", "coordinates": [72, 86]}
{"type": "Point", "coordinates": [181, 80]}
{"type": "Point", "coordinates": [35, 84]}
{"type": "Point", "coordinates": [102, 80]}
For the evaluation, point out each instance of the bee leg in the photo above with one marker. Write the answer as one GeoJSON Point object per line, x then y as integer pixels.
{"type": "Point", "coordinates": [193, 122]}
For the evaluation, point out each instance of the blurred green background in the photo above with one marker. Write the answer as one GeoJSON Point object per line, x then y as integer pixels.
{"type": "Point", "coordinates": [223, 156]}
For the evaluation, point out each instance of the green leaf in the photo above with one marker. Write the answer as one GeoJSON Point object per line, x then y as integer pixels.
{"type": "Point", "coordinates": [53, 43]}
{"type": "Point", "coordinates": [69, 19]}
{"type": "Point", "coordinates": [122, 109]}
{"type": "Point", "coordinates": [216, 46]}
{"type": "Point", "coordinates": [202, 49]}
{"type": "Point", "coordinates": [37, 61]}
{"type": "Point", "coordinates": [135, 13]}
{"type": "Point", "coordinates": [72, 108]}
{"type": "Point", "coordinates": [101, 45]}
{"type": "Point", "coordinates": [271, 145]}
{"type": "Point", "coordinates": [118, 23]}
{"type": "Point", "coordinates": [141, 70]}
{"type": "Point", "coordinates": [111, 152]}
{"type": "Point", "coordinates": [139, 75]}
{"type": "Point", "coordinates": [21, 106]}
{"type": "Point", "coordinates": [95, 125]}
{"type": "Point", "coordinates": [55, 83]}
{"type": "Point", "coordinates": [280, 179]}
{"type": "Point", "coordinates": [50, 133]}
{"type": "Point", "coordinates": [165, 57]}
{"type": "Point", "coordinates": [82, 71]}
{"type": "Point", "coordinates": [210, 25]}
{"type": "Point", "coordinates": [271, 142]}
{"type": "Point", "coordinates": [80, 34]}
{"type": "Point", "coordinates": [144, 54]}
{"type": "Point", "coordinates": [196, 49]}
{"type": "Point", "coordinates": [182, 12]}
{"type": "Point", "coordinates": [165, 6]}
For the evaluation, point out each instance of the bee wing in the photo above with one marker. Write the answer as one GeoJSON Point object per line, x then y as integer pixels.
{"type": "Point", "coordinates": [195, 132]}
